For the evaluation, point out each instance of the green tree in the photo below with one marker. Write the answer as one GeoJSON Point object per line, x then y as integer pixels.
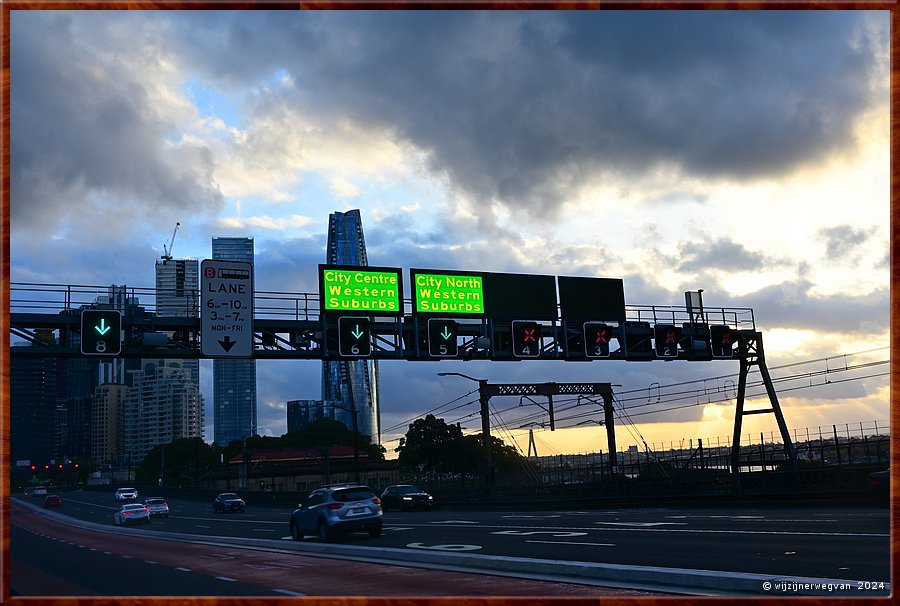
{"type": "Point", "coordinates": [184, 462]}
{"type": "Point", "coordinates": [432, 445]}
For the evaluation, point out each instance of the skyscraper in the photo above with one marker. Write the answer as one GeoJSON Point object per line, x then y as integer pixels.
{"type": "Point", "coordinates": [234, 381]}
{"type": "Point", "coordinates": [32, 398]}
{"type": "Point", "coordinates": [177, 296]}
{"type": "Point", "coordinates": [352, 383]}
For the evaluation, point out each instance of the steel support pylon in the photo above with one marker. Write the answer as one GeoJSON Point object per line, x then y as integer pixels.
{"type": "Point", "coordinates": [751, 353]}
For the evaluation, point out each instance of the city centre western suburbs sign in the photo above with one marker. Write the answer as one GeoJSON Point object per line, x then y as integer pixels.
{"type": "Point", "coordinates": [447, 293]}
{"type": "Point", "coordinates": [226, 309]}
{"type": "Point", "coordinates": [360, 289]}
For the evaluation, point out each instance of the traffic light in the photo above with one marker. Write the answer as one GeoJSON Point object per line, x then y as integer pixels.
{"type": "Point", "coordinates": [596, 339]}
{"type": "Point", "coordinates": [101, 332]}
{"type": "Point", "coordinates": [721, 340]}
{"type": "Point", "coordinates": [526, 339]}
{"type": "Point", "coordinates": [667, 336]}
{"type": "Point", "coordinates": [442, 338]}
{"type": "Point", "coordinates": [353, 337]}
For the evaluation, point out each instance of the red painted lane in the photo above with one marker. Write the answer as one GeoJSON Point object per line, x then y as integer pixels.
{"type": "Point", "coordinates": [299, 574]}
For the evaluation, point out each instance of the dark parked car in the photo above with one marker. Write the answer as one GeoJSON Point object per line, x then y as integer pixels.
{"type": "Point", "coordinates": [52, 500]}
{"type": "Point", "coordinates": [405, 497]}
{"type": "Point", "coordinates": [333, 510]}
{"type": "Point", "coordinates": [228, 501]}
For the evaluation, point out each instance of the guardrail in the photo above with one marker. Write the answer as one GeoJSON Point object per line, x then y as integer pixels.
{"type": "Point", "coordinates": [36, 298]}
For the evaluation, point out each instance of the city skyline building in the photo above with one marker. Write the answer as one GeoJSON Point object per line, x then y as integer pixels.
{"type": "Point", "coordinates": [178, 296]}
{"type": "Point", "coordinates": [350, 387]}
{"type": "Point", "coordinates": [33, 402]}
{"type": "Point", "coordinates": [162, 405]}
{"type": "Point", "coordinates": [234, 381]}
{"type": "Point", "coordinates": [107, 402]}
{"type": "Point", "coordinates": [301, 413]}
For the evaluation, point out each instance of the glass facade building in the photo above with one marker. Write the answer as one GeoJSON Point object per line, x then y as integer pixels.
{"type": "Point", "coordinates": [350, 386]}
{"type": "Point", "coordinates": [234, 381]}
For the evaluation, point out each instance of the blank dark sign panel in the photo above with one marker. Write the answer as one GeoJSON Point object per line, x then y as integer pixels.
{"type": "Point", "coordinates": [520, 296]}
{"type": "Point", "coordinates": [592, 298]}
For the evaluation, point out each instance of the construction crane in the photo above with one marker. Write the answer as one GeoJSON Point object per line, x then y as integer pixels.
{"type": "Point", "coordinates": [167, 252]}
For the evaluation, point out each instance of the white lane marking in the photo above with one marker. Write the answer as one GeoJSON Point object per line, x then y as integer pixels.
{"type": "Point", "coordinates": [264, 529]}
{"type": "Point", "coordinates": [747, 517]}
{"type": "Point", "coordinates": [183, 569]}
{"type": "Point", "coordinates": [200, 526]}
{"type": "Point", "coordinates": [445, 547]}
{"type": "Point", "coordinates": [217, 555]}
{"type": "Point", "coordinates": [107, 553]}
{"type": "Point", "coordinates": [150, 562]}
{"type": "Point", "coordinates": [395, 528]}
{"type": "Point", "coordinates": [684, 530]}
{"type": "Point", "coordinates": [244, 519]}
{"type": "Point", "coordinates": [227, 579]}
{"type": "Point", "coordinates": [576, 543]}
{"type": "Point", "coordinates": [286, 592]}
{"type": "Point", "coordinates": [524, 517]}
{"type": "Point", "coordinates": [644, 524]}
{"type": "Point", "coordinates": [522, 533]}
{"type": "Point", "coordinates": [454, 522]}
{"type": "Point", "coordinates": [287, 565]}
{"type": "Point", "coordinates": [126, 557]}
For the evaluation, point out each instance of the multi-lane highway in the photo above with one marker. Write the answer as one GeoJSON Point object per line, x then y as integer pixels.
{"type": "Point", "coordinates": [687, 550]}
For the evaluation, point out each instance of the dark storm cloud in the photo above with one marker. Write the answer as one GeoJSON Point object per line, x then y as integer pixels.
{"type": "Point", "coordinates": [83, 126]}
{"type": "Point", "coordinates": [719, 254]}
{"type": "Point", "coordinates": [791, 305]}
{"type": "Point", "coordinates": [842, 241]}
{"type": "Point", "coordinates": [519, 107]}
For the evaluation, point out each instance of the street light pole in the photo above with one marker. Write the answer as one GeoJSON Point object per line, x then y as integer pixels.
{"type": "Point", "coordinates": [483, 399]}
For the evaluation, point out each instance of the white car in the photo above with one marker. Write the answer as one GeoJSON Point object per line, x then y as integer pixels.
{"type": "Point", "coordinates": [157, 506]}
{"type": "Point", "coordinates": [126, 494]}
{"type": "Point", "coordinates": [131, 513]}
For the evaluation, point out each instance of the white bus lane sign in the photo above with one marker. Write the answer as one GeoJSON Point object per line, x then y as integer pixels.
{"type": "Point", "coordinates": [226, 309]}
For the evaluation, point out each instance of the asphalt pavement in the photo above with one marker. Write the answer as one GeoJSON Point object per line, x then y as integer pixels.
{"type": "Point", "coordinates": [691, 550]}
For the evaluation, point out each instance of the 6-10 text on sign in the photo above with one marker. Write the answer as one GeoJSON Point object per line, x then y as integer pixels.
{"type": "Point", "coordinates": [226, 308]}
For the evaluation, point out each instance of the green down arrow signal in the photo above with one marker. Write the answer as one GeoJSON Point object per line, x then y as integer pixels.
{"type": "Point", "coordinates": [357, 333]}
{"type": "Point", "coordinates": [103, 328]}
{"type": "Point", "coordinates": [446, 334]}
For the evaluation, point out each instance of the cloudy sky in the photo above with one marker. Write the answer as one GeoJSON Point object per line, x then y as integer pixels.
{"type": "Point", "coordinates": [745, 153]}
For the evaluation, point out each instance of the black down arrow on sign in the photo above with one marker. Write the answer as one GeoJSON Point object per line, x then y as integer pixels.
{"type": "Point", "coordinates": [227, 343]}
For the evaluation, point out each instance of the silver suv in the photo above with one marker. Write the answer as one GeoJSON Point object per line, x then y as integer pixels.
{"type": "Point", "coordinates": [333, 510]}
{"type": "Point", "coordinates": [126, 494]}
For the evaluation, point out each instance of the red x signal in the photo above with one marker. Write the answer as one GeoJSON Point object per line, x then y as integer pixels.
{"type": "Point", "coordinates": [529, 335]}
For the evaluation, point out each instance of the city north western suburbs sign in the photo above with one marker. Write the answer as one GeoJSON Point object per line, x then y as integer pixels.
{"type": "Point", "coordinates": [448, 293]}
{"type": "Point", "coordinates": [226, 308]}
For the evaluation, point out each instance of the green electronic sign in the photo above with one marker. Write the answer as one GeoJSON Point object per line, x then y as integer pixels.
{"type": "Point", "coordinates": [447, 293]}
{"type": "Point", "coordinates": [360, 289]}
